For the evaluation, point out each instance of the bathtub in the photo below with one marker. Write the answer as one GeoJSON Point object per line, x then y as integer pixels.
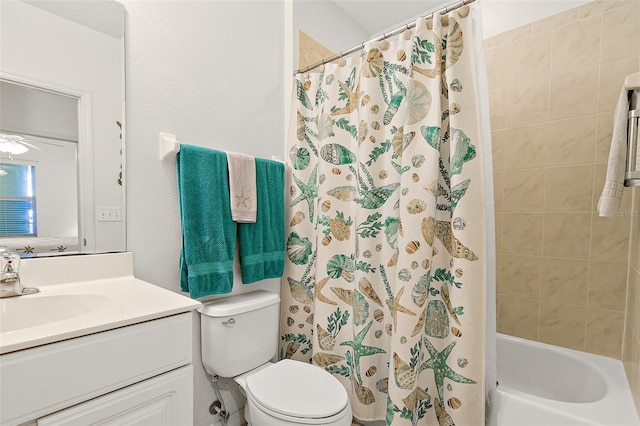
{"type": "Point", "coordinates": [545, 385]}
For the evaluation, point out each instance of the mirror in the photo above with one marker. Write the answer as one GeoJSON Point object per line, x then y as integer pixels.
{"type": "Point", "coordinates": [62, 104]}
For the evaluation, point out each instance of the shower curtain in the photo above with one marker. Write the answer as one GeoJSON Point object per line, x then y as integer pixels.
{"type": "Point", "coordinates": [384, 283]}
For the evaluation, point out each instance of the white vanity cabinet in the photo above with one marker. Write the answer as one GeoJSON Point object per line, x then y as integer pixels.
{"type": "Point", "coordinates": [140, 374]}
{"type": "Point", "coordinates": [164, 400]}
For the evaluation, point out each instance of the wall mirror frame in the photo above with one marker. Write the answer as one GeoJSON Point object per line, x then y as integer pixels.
{"type": "Point", "coordinates": [75, 49]}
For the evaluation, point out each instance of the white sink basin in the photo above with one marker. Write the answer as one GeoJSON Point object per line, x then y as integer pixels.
{"type": "Point", "coordinates": [79, 296]}
{"type": "Point", "coordinates": [17, 313]}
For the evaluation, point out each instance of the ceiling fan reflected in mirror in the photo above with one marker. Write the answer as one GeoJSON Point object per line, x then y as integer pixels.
{"type": "Point", "coordinates": [16, 144]}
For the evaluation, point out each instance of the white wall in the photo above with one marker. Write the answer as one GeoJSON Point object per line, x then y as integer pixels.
{"type": "Point", "coordinates": [210, 72]}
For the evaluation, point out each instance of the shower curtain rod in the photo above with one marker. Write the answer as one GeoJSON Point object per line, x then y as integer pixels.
{"type": "Point", "coordinates": [450, 7]}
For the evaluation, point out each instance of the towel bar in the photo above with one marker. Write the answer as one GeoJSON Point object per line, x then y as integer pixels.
{"type": "Point", "coordinates": [632, 172]}
{"type": "Point", "coordinates": [169, 146]}
{"type": "Point", "coordinates": [632, 169]}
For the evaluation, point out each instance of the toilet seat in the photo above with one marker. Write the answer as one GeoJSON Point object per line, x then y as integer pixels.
{"type": "Point", "coordinates": [296, 391]}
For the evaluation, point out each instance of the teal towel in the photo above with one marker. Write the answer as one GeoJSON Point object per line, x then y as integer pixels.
{"type": "Point", "coordinates": [262, 243]}
{"type": "Point", "coordinates": [208, 232]}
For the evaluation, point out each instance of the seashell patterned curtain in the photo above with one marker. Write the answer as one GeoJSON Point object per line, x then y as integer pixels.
{"type": "Point", "coordinates": [384, 283]}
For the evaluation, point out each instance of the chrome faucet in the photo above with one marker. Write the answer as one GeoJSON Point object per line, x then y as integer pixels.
{"type": "Point", "coordinates": [10, 277]}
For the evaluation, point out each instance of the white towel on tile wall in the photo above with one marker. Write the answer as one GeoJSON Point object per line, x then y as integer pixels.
{"type": "Point", "coordinates": [611, 197]}
{"type": "Point", "coordinates": [242, 187]}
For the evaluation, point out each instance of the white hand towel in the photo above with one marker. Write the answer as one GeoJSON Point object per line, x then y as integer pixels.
{"type": "Point", "coordinates": [242, 187]}
{"type": "Point", "coordinates": [609, 203]}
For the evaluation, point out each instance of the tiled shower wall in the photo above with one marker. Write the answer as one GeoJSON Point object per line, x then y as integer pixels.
{"type": "Point", "coordinates": [554, 83]}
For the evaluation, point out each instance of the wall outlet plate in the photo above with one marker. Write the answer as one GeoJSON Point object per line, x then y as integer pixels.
{"type": "Point", "coordinates": [109, 214]}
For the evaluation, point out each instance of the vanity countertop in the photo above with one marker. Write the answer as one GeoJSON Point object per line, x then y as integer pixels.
{"type": "Point", "coordinates": [74, 306]}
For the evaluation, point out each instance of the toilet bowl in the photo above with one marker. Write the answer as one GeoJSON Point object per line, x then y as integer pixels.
{"type": "Point", "coordinates": [239, 337]}
{"type": "Point", "coordinates": [294, 393]}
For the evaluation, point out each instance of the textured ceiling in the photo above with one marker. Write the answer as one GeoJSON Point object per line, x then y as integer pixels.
{"type": "Point", "coordinates": [378, 16]}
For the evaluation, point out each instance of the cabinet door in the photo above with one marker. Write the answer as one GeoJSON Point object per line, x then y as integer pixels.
{"type": "Point", "coordinates": [165, 400]}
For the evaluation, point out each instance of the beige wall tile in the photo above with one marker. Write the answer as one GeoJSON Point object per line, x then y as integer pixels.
{"type": "Point", "coordinates": [491, 42]}
{"type": "Point", "coordinates": [569, 188]}
{"type": "Point", "coordinates": [498, 106]}
{"type": "Point", "coordinates": [610, 240]}
{"type": "Point", "coordinates": [567, 235]}
{"type": "Point", "coordinates": [603, 136]}
{"type": "Point", "coordinates": [497, 62]}
{"type": "Point", "coordinates": [619, 35]}
{"type": "Point", "coordinates": [604, 332]}
{"type": "Point", "coordinates": [607, 285]}
{"type": "Point", "coordinates": [508, 36]}
{"type": "Point", "coordinates": [498, 140]}
{"type": "Point", "coordinates": [528, 102]}
{"type": "Point", "coordinates": [554, 21]}
{"type": "Point", "coordinates": [634, 211]}
{"type": "Point", "coordinates": [633, 302]}
{"type": "Point", "coordinates": [576, 45]}
{"type": "Point", "coordinates": [631, 350]}
{"type": "Point", "coordinates": [518, 316]}
{"type": "Point", "coordinates": [498, 191]}
{"type": "Point", "coordinates": [571, 141]}
{"type": "Point", "coordinates": [522, 233]}
{"type": "Point", "coordinates": [631, 362]}
{"type": "Point", "coordinates": [612, 76]}
{"type": "Point", "coordinates": [529, 58]}
{"type": "Point", "coordinates": [525, 147]}
{"type": "Point", "coordinates": [562, 325]}
{"type": "Point", "coordinates": [520, 275]}
{"type": "Point", "coordinates": [310, 51]}
{"type": "Point", "coordinates": [633, 324]}
{"type": "Point", "coordinates": [498, 275]}
{"type": "Point", "coordinates": [524, 190]}
{"type": "Point", "coordinates": [564, 280]}
{"type": "Point", "coordinates": [600, 6]}
{"type": "Point", "coordinates": [499, 232]}
{"type": "Point", "coordinates": [589, 51]}
{"type": "Point", "coordinates": [633, 294]}
{"type": "Point", "coordinates": [574, 94]}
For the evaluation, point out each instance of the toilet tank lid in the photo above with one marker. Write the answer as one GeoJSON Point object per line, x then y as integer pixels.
{"type": "Point", "coordinates": [239, 303]}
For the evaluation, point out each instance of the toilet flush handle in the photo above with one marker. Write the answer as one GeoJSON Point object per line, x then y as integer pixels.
{"type": "Point", "coordinates": [230, 323]}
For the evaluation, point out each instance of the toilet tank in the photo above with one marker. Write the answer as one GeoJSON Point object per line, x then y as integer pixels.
{"type": "Point", "coordinates": [239, 333]}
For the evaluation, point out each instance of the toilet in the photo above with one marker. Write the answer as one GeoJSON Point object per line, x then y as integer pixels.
{"type": "Point", "coordinates": [239, 339]}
